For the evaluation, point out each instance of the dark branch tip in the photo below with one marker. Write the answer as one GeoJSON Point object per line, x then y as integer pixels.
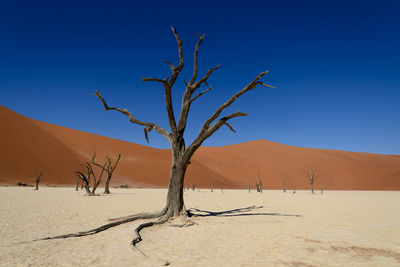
{"type": "Point", "coordinates": [201, 37]}
{"type": "Point", "coordinates": [173, 30]}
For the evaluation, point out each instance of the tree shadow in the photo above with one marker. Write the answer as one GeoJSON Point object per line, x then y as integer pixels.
{"type": "Point", "coordinates": [236, 212]}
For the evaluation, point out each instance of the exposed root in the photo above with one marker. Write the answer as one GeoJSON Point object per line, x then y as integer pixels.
{"type": "Point", "coordinates": [164, 219]}
{"type": "Point", "coordinates": [140, 227]}
{"type": "Point", "coordinates": [164, 216]}
{"type": "Point", "coordinates": [142, 215]}
{"type": "Point", "coordinates": [106, 226]}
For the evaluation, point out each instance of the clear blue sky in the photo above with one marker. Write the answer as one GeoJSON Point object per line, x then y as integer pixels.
{"type": "Point", "coordinates": [335, 65]}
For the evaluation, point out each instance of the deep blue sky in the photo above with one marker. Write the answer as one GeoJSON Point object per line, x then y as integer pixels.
{"type": "Point", "coordinates": [335, 65]}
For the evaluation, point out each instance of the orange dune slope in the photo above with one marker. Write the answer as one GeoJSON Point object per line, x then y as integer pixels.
{"type": "Point", "coordinates": [29, 146]}
{"type": "Point", "coordinates": [277, 163]}
{"type": "Point", "coordinates": [27, 149]}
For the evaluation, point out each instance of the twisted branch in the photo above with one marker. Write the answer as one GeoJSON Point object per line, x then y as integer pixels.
{"type": "Point", "coordinates": [132, 119]}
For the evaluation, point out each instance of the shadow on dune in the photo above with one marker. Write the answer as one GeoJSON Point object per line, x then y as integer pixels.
{"type": "Point", "coordinates": [236, 212]}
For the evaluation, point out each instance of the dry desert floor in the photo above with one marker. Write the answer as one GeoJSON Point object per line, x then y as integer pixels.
{"type": "Point", "coordinates": [237, 228]}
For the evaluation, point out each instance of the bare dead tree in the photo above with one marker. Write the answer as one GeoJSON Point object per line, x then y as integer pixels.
{"type": "Point", "coordinates": [222, 188]}
{"type": "Point", "coordinates": [181, 153]}
{"type": "Point", "coordinates": [85, 177]}
{"type": "Point", "coordinates": [311, 177]}
{"type": "Point", "coordinates": [249, 188]}
{"type": "Point", "coordinates": [90, 174]}
{"type": "Point", "coordinates": [36, 179]}
{"type": "Point", "coordinates": [294, 190]}
{"type": "Point", "coordinates": [193, 187]}
{"type": "Point", "coordinates": [110, 171]}
{"type": "Point", "coordinates": [212, 186]}
{"type": "Point", "coordinates": [97, 180]}
{"type": "Point", "coordinates": [284, 186]}
{"type": "Point", "coordinates": [322, 189]}
{"type": "Point", "coordinates": [109, 168]}
{"type": "Point", "coordinates": [259, 185]}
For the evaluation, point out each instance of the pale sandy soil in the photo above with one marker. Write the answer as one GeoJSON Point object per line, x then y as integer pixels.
{"type": "Point", "coordinates": [346, 228]}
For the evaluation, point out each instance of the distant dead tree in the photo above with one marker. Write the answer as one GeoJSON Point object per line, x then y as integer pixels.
{"type": "Point", "coordinates": [259, 185]}
{"type": "Point", "coordinates": [311, 177]}
{"type": "Point", "coordinates": [284, 186]}
{"type": "Point", "coordinates": [212, 186]}
{"type": "Point", "coordinates": [222, 188]}
{"type": "Point", "coordinates": [249, 187]}
{"type": "Point", "coordinates": [181, 153]}
{"type": "Point", "coordinates": [36, 179]}
{"type": "Point", "coordinates": [109, 168]}
{"type": "Point", "coordinates": [294, 190]}
{"type": "Point", "coordinates": [90, 174]}
{"type": "Point", "coordinates": [85, 177]}
{"type": "Point", "coordinates": [322, 189]}
{"type": "Point", "coordinates": [193, 187]}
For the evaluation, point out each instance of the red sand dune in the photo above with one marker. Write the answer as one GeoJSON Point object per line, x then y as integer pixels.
{"type": "Point", "coordinates": [29, 146]}
{"type": "Point", "coordinates": [27, 149]}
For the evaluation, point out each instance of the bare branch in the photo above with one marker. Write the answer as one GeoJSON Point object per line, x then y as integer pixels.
{"type": "Point", "coordinates": [93, 160]}
{"type": "Point", "coordinates": [178, 69]}
{"type": "Point", "coordinates": [186, 101]}
{"type": "Point", "coordinates": [196, 85]}
{"type": "Point", "coordinates": [168, 102]}
{"type": "Point", "coordinates": [249, 87]}
{"type": "Point", "coordinates": [230, 127]}
{"type": "Point", "coordinates": [168, 84]}
{"type": "Point", "coordinates": [132, 119]}
{"type": "Point", "coordinates": [149, 79]}
{"type": "Point", "coordinates": [80, 175]}
{"type": "Point", "coordinates": [146, 133]}
{"type": "Point", "coordinates": [170, 65]}
{"type": "Point", "coordinates": [210, 131]}
{"type": "Point", "coordinates": [116, 163]}
{"type": "Point", "coordinates": [201, 93]}
{"type": "Point", "coordinates": [265, 85]}
{"type": "Point", "coordinates": [223, 121]}
{"type": "Point", "coordinates": [196, 51]}
{"type": "Point", "coordinates": [101, 173]}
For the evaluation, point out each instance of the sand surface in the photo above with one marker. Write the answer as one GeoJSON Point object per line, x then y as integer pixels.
{"type": "Point", "coordinates": [338, 228]}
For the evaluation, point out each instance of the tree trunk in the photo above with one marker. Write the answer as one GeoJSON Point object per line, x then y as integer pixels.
{"type": "Point", "coordinates": [175, 205]}
{"type": "Point", "coordinates": [107, 185]}
{"type": "Point", "coordinates": [77, 184]}
{"type": "Point", "coordinates": [87, 189]}
{"type": "Point", "coordinates": [37, 185]}
{"type": "Point", "coordinates": [312, 188]}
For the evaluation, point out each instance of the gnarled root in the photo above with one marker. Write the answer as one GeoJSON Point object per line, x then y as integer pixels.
{"type": "Point", "coordinates": [167, 216]}
{"type": "Point", "coordinates": [107, 226]}
{"type": "Point", "coordinates": [141, 215]}
{"type": "Point", "coordinates": [138, 237]}
{"type": "Point", "coordinates": [164, 216]}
